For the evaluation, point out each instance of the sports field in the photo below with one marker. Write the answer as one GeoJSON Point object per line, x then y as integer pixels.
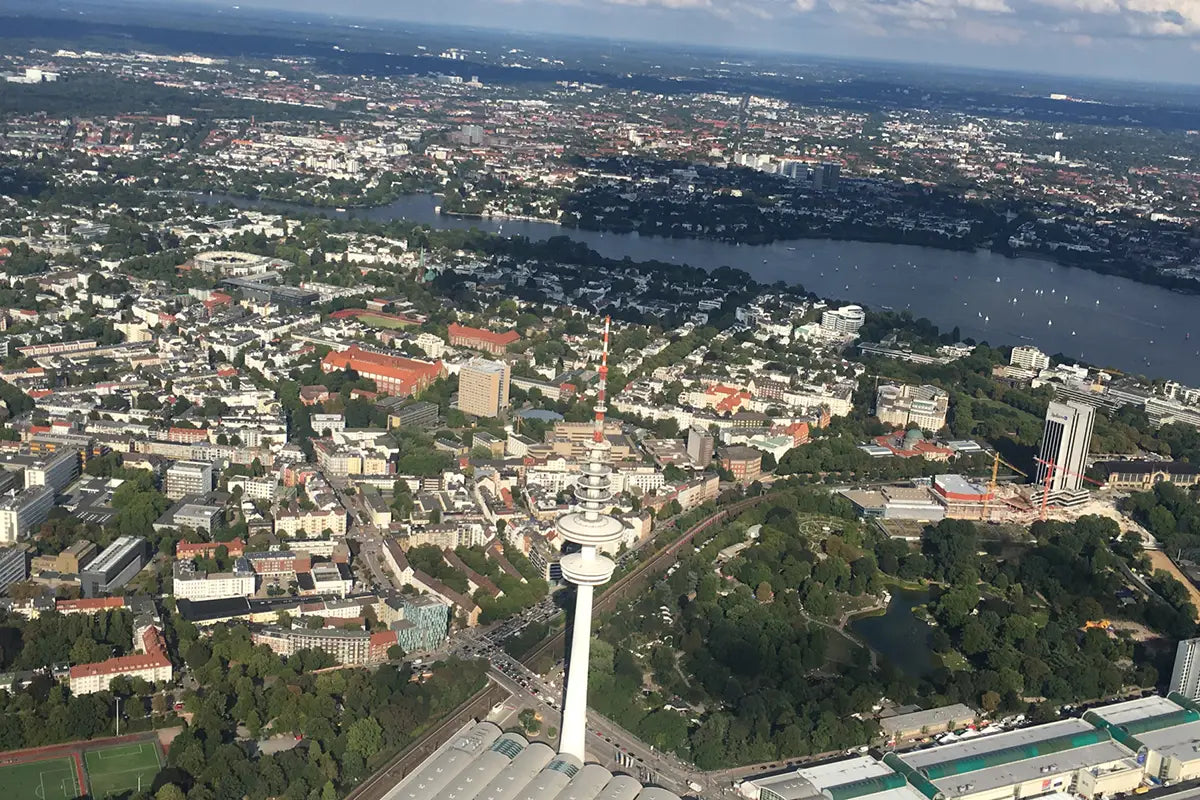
{"type": "Point", "coordinates": [382, 322]}
{"type": "Point", "coordinates": [52, 779]}
{"type": "Point", "coordinates": [121, 768]}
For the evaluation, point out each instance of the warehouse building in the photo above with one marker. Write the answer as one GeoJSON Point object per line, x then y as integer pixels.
{"type": "Point", "coordinates": [861, 778]}
{"type": "Point", "coordinates": [1165, 730]}
{"type": "Point", "coordinates": [1070, 756]}
{"type": "Point", "coordinates": [480, 763]}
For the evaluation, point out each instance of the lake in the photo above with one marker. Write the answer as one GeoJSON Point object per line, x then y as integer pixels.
{"type": "Point", "coordinates": [898, 636]}
{"type": "Point", "coordinates": [1109, 321]}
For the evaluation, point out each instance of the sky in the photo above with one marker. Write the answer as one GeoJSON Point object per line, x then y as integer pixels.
{"type": "Point", "coordinates": [1155, 40]}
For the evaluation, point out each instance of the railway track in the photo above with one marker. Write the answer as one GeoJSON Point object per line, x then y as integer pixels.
{"type": "Point", "coordinates": [478, 705]}
{"type": "Point", "coordinates": [628, 584]}
{"type": "Point", "coordinates": [380, 783]}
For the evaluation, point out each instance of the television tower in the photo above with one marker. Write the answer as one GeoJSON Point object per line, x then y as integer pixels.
{"type": "Point", "coordinates": [589, 527]}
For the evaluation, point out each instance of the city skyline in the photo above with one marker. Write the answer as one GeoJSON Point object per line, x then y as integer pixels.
{"type": "Point", "coordinates": [1143, 40]}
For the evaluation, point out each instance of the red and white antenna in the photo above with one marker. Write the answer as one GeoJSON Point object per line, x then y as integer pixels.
{"type": "Point", "coordinates": [598, 433]}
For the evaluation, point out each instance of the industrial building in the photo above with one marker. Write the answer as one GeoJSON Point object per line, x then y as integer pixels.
{"type": "Point", "coordinates": [896, 502]}
{"type": "Point", "coordinates": [927, 722]}
{"type": "Point", "coordinates": [114, 567]}
{"type": "Point", "coordinates": [1066, 756]}
{"type": "Point", "coordinates": [861, 778]}
{"type": "Point", "coordinates": [1164, 729]}
{"type": "Point", "coordinates": [481, 762]}
{"type": "Point", "coordinates": [261, 292]}
{"type": "Point", "coordinates": [961, 498]}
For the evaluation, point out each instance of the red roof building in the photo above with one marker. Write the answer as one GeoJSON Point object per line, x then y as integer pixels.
{"type": "Point", "coordinates": [92, 605]}
{"type": "Point", "coordinates": [393, 375]}
{"type": "Point", "coordinates": [479, 339]}
{"type": "Point", "coordinates": [151, 665]}
{"type": "Point", "coordinates": [235, 547]}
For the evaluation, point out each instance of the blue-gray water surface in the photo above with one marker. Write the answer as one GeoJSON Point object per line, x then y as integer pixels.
{"type": "Point", "coordinates": [1108, 321]}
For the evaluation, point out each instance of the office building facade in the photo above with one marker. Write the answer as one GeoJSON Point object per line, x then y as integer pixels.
{"type": "Point", "coordinates": [57, 471]}
{"type": "Point", "coordinates": [1185, 677]}
{"type": "Point", "coordinates": [1063, 454]}
{"type": "Point", "coordinates": [483, 387]}
{"type": "Point", "coordinates": [188, 477]}
{"type": "Point", "coordinates": [114, 567]}
{"type": "Point", "coordinates": [700, 447]}
{"type": "Point", "coordinates": [14, 565]}
{"type": "Point", "coordinates": [23, 511]}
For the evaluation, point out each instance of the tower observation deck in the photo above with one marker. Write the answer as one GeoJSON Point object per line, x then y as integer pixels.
{"type": "Point", "coordinates": [590, 527]}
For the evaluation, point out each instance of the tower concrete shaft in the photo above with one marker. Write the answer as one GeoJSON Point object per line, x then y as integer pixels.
{"type": "Point", "coordinates": [590, 527]}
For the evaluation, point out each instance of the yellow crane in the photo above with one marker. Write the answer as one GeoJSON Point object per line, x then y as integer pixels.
{"type": "Point", "coordinates": [996, 462]}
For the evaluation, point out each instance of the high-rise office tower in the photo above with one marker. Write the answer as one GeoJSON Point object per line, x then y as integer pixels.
{"type": "Point", "coordinates": [589, 527]}
{"type": "Point", "coordinates": [1064, 450]}
{"type": "Point", "coordinates": [1185, 678]}
{"type": "Point", "coordinates": [483, 387]}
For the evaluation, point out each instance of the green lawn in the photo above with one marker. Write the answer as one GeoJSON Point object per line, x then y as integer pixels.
{"type": "Point", "coordinates": [52, 779]}
{"type": "Point", "coordinates": [121, 768]}
{"type": "Point", "coordinates": [381, 322]}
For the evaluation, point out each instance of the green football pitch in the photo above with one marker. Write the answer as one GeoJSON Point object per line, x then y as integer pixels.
{"type": "Point", "coordinates": [52, 779]}
{"type": "Point", "coordinates": [121, 768]}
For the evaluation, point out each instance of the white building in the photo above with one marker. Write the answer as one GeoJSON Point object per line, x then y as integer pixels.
{"type": "Point", "coordinates": [57, 471]}
{"type": "Point", "coordinates": [191, 584]}
{"type": "Point", "coordinates": [1029, 357]}
{"type": "Point", "coordinates": [1185, 678]}
{"type": "Point", "coordinates": [188, 477]}
{"type": "Point", "coordinates": [843, 321]}
{"type": "Point", "coordinates": [1065, 443]}
{"type": "Point", "coordinates": [21, 512]}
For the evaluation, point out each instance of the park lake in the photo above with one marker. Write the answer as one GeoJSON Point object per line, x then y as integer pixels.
{"type": "Point", "coordinates": [898, 636]}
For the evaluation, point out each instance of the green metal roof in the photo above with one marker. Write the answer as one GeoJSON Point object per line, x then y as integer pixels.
{"type": "Point", "coordinates": [1008, 755]}
{"type": "Point", "coordinates": [918, 781]}
{"type": "Point", "coordinates": [1168, 720]}
{"type": "Point", "coordinates": [1180, 700]}
{"type": "Point", "coordinates": [865, 786]}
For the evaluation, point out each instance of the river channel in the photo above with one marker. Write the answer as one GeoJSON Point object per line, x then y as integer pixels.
{"type": "Point", "coordinates": [898, 636]}
{"type": "Point", "coordinates": [1113, 322]}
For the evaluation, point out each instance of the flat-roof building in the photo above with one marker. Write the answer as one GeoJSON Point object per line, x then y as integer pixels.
{"type": "Point", "coordinates": [188, 477]}
{"type": "Point", "coordinates": [904, 404]}
{"type": "Point", "coordinates": [14, 565]}
{"type": "Point", "coordinates": [23, 511]}
{"type": "Point", "coordinates": [114, 567]}
{"type": "Point", "coordinates": [483, 387]}
{"type": "Point", "coordinates": [1069, 755]}
{"type": "Point", "coordinates": [481, 763]}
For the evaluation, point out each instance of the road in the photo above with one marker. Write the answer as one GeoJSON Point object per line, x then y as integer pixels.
{"type": "Point", "coordinates": [607, 743]}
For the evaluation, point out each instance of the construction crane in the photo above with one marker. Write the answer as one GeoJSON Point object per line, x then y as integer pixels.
{"type": "Point", "coordinates": [996, 462]}
{"type": "Point", "coordinates": [1051, 468]}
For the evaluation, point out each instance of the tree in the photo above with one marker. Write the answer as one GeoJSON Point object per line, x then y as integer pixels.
{"type": "Point", "coordinates": [169, 791]}
{"type": "Point", "coordinates": [764, 593]}
{"type": "Point", "coordinates": [364, 737]}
